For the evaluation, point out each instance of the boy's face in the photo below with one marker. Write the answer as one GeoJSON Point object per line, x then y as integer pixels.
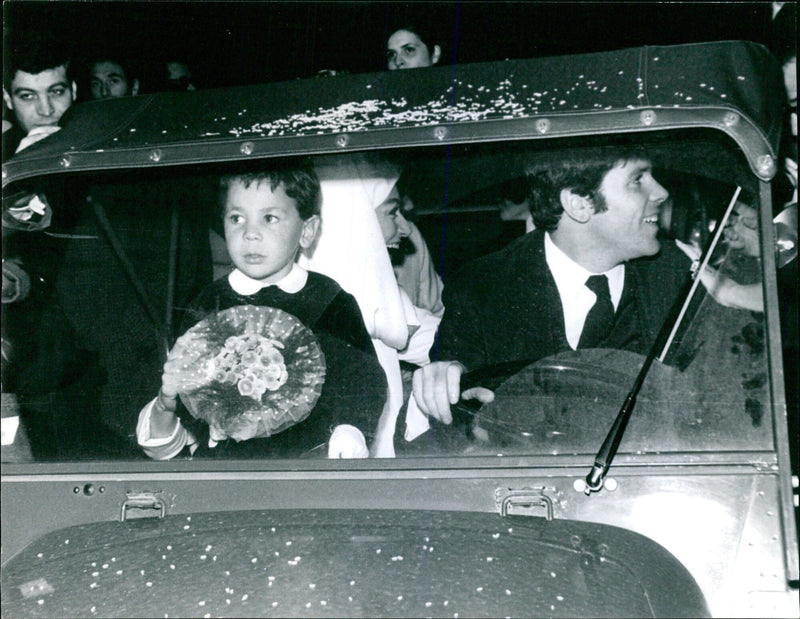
{"type": "Point", "coordinates": [263, 230]}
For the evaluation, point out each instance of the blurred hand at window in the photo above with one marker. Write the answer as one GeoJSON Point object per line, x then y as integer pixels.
{"type": "Point", "coordinates": [724, 290]}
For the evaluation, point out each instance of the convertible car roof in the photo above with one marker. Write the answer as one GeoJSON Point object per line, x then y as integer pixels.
{"type": "Point", "coordinates": [733, 87]}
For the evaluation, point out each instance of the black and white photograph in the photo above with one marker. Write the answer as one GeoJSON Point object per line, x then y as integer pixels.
{"type": "Point", "coordinates": [399, 309]}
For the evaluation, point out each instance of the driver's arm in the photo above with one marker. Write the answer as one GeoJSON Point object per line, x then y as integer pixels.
{"type": "Point", "coordinates": [461, 334]}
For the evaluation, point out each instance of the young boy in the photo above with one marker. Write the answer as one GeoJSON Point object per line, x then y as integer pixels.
{"type": "Point", "coordinates": [269, 217]}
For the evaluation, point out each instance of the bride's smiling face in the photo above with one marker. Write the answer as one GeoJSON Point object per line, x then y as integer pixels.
{"type": "Point", "coordinates": [391, 220]}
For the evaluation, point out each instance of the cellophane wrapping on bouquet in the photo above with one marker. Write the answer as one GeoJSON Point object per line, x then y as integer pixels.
{"type": "Point", "coordinates": [249, 371]}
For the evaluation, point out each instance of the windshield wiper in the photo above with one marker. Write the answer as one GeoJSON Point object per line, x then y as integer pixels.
{"type": "Point", "coordinates": [604, 457]}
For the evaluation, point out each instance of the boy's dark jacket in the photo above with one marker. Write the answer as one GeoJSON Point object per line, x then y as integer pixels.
{"type": "Point", "coordinates": [354, 391]}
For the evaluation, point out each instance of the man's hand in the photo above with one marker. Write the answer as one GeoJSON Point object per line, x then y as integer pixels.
{"type": "Point", "coordinates": [438, 385]}
{"type": "Point", "coordinates": [27, 212]}
{"type": "Point", "coordinates": [36, 134]}
{"type": "Point", "coordinates": [16, 281]}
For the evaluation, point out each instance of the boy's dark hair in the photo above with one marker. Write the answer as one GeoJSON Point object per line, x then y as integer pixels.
{"type": "Point", "coordinates": [33, 51]}
{"type": "Point", "coordinates": [581, 170]}
{"type": "Point", "coordinates": [299, 181]}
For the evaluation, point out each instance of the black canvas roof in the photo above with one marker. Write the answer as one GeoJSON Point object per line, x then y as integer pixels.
{"type": "Point", "coordinates": [734, 87]}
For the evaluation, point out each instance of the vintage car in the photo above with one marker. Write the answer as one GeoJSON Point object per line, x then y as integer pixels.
{"type": "Point", "coordinates": [685, 511]}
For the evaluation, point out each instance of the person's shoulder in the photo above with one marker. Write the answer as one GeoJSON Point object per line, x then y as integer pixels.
{"type": "Point", "coordinates": [327, 293]}
{"type": "Point", "coordinates": [12, 136]}
{"type": "Point", "coordinates": [672, 255]}
{"type": "Point", "coordinates": [210, 295]}
{"type": "Point", "coordinates": [670, 259]}
{"type": "Point", "coordinates": [219, 285]}
{"type": "Point", "coordinates": [522, 248]}
{"type": "Point", "coordinates": [516, 257]}
{"type": "Point", "coordinates": [320, 282]}
{"type": "Point", "coordinates": [662, 275]}
{"type": "Point", "coordinates": [340, 316]}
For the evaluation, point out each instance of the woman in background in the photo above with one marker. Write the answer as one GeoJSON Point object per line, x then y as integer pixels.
{"type": "Point", "coordinates": [411, 47]}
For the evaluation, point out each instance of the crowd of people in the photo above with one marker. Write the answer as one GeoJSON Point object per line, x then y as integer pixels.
{"type": "Point", "coordinates": [364, 281]}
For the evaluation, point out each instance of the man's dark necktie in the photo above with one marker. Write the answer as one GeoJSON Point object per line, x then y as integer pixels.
{"type": "Point", "coordinates": [600, 318]}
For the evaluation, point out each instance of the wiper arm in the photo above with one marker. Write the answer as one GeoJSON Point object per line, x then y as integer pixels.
{"type": "Point", "coordinates": [604, 457]}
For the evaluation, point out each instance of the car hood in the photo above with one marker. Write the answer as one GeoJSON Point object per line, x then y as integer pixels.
{"type": "Point", "coordinates": [348, 563]}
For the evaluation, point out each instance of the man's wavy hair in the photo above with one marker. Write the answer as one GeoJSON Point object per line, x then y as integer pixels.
{"type": "Point", "coordinates": [581, 170]}
{"type": "Point", "coordinates": [33, 52]}
{"type": "Point", "coordinates": [299, 180]}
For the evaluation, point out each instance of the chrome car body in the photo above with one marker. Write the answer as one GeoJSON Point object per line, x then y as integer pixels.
{"type": "Point", "coordinates": [695, 519]}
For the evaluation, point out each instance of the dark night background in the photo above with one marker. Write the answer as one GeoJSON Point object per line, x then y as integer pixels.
{"type": "Point", "coordinates": [247, 42]}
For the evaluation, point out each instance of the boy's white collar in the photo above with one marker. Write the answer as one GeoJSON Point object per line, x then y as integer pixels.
{"type": "Point", "coordinates": [292, 283]}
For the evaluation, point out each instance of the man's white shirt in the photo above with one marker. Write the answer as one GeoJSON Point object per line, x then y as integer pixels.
{"type": "Point", "coordinates": [576, 298]}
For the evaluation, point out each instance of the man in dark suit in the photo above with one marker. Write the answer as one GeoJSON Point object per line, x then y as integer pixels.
{"type": "Point", "coordinates": [596, 212]}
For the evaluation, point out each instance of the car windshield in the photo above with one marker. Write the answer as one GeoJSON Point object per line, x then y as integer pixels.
{"type": "Point", "coordinates": [111, 284]}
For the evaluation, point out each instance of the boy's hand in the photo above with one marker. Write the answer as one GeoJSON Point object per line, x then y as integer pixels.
{"type": "Point", "coordinates": [182, 373]}
{"type": "Point", "coordinates": [162, 415]}
{"type": "Point", "coordinates": [215, 435]}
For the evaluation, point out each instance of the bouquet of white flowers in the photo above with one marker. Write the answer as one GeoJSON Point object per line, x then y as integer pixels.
{"type": "Point", "coordinates": [249, 371]}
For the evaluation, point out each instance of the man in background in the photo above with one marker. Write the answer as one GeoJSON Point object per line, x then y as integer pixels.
{"type": "Point", "coordinates": [111, 77]}
{"type": "Point", "coordinates": [37, 88]}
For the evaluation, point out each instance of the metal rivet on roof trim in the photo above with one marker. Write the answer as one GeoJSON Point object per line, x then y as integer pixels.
{"type": "Point", "coordinates": [730, 119]}
{"type": "Point", "coordinates": [155, 155]}
{"type": "Point", "coordinates": [542, 125]}
{"type": "Point", "coordinates": [342, 140]}
{"type": "Point", "coordinates": [247, 148]}
{"type": "Point", "coordinates": [766, 165]}
{"type": "Point", "coordinates": [648, 117]}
